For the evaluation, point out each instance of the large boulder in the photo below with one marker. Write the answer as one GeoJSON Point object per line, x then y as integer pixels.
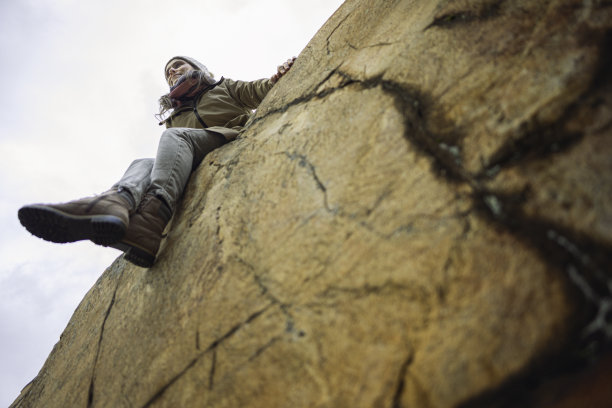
{"type": "Point", "coordinates": [419, 215]}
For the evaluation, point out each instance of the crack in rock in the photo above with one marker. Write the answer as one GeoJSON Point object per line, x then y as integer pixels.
{"type": "Point", "coordinates": [304, 162]}
{"type": "Point", "coordinates": [259, 282]}
{"type": "Point", "coordinates": [327, 40]}
{"type": "Point", "coordinates": [213, 367]}
{"type": "Point", "coordinates": [263, 348]}
{"type": "Point", "coordinates": [218, 230]}
{"type": "Point", "coordinates": [600, 325]}
{"type": "Point", "coordinates": [582, 260]}
{"type": "Point", "coordinates": [90, 395]}
{"type": "Point", "coordinates": [456, 18]}
{"type": "Point", "coordinates": [211, 348]}
{"type": "Point", "coordinates": [306, 98]}
{"type": "Point", "coordinates": [546, 140]}
{"type": "Point", "coordinates": [365, 290]}
{"type": "Point", "coordinates": [380, 44]}
{"type": "Point", "coordinates": [401, 378]}
{"type": "Point", "coordinates": [265, 291]}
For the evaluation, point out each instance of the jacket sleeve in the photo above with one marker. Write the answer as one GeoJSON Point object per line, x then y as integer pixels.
{"type": "Point", "coordinates": [250, 94]}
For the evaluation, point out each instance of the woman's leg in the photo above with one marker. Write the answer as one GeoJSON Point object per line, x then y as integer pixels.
{"type": "Point", "coordinates": [102, 219]}
{"type": "Point", "coordinates": [144, 199]}
{"type": "Point", "coordinates": [180, 151]}
{"type": "Point", "coordinates": [136, 179]}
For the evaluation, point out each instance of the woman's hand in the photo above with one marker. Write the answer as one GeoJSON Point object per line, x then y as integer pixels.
{"type": "Point", "coordinates": [282, 70]}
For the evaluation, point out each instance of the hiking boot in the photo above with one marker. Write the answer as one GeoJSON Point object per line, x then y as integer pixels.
{"type": "Point", "coordinates": [102, 219]}
{"type": "Point", "coordinates": [144, 234]}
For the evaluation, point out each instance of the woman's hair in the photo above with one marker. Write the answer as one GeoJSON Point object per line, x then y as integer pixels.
{"type": "Point", "coordinates": [165, 103]}
{"type": "Point", "coordinates": [165, 106]}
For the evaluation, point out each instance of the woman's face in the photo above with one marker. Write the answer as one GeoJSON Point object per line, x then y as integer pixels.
{"type": "Point", "coordinates": [175, 69]}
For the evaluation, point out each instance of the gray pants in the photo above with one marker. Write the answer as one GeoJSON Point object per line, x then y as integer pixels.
{"type": "Point", "coordinates": [180, 151]}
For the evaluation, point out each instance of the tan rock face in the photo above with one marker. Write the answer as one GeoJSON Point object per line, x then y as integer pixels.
{"type": "Point", "coordinates": [419, 215]}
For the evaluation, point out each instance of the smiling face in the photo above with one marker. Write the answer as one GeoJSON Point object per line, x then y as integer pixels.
{"type": "Point", "coordinates": [175, 69]}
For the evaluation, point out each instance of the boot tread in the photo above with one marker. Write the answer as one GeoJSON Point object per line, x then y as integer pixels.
{"type": "Point", "coordinates": [57, 226]}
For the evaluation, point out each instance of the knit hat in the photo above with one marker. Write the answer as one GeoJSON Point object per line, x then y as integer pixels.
{"type": "Point", "coordinates": [197, 65]}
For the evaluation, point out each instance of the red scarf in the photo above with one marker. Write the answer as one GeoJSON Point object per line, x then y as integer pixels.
{"type": "Point", "coordinates": [186, 88]}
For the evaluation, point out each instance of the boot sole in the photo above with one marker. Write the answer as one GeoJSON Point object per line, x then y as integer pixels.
{"type": "Point", "coordinates": [139, 257]}
{"type": "Point", "coordinates": [57, 226]}
{"type": "Point", "coordinates": [134, 254]}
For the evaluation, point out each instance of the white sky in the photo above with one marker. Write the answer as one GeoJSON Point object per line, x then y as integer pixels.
{"type": "Point", "coordinates": [80, 82]}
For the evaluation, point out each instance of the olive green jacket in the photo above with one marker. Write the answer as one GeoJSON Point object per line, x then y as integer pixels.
{"type": "Point", "coordinates": [224, 109]}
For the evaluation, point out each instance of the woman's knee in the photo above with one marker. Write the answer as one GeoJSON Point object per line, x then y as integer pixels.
{"type": "Point", "coordinates": [174, 133]}
{"type": "Point", "coordinates": [146, 163]}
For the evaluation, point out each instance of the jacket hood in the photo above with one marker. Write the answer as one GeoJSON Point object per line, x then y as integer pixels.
{"type": "Point", "coordinates": [197, 65]}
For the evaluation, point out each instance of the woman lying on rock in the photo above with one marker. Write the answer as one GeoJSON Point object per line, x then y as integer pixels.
{"type": "Point", "coordinates": [203, 114]}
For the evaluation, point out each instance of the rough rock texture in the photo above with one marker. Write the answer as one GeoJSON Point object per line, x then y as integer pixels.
{"type": "Point", "coordinates": [420, 215]}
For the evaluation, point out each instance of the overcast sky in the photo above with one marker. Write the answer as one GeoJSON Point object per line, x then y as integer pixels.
{"type": "Point", "coordinates": [80, 82]}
